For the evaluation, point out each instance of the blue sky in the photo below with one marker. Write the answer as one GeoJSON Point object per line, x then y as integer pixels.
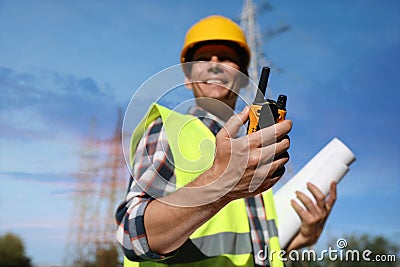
{"type": "Point", "coordinates": [63, 63]}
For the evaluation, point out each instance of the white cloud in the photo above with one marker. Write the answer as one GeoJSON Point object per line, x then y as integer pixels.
{"type": "Point", "coordinates": [41, 103]}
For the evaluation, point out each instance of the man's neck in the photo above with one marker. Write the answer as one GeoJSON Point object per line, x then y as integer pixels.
{"type": "Point", "coordinates": [215, 107]}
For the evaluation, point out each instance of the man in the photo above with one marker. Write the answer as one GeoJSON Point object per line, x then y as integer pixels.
{"type": "Point", "coordinates": [209, 217]}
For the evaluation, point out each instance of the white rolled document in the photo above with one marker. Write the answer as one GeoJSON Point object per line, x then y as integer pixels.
{"type": "Point", "coordinates": [331, 163]}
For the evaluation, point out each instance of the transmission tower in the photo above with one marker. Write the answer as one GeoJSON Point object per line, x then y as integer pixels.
{"type": "Point", "coordinates": [114, 180]}
{"type": "Point", "coordinates": [102, 174]}
{"type": "Point", "coordinates": [80, 233]}
{"type": "Point", "coordinates": [248, 21]}
{"type": "Point", "coordinates": [253, 35]}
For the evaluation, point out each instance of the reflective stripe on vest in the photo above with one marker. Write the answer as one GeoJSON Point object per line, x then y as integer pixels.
{"type": "Point", "coordinates": [224, 240]}
{"type": "Point", "coordinates": [272, 225]}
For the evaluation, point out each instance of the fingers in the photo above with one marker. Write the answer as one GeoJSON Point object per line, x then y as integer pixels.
{"type": "Point", "coordinates": [262, 154]}
{"type": "Point", "coordinates": [270, 158]}
{"type": "Point", "coordinates": [307, 202]}
{"type": "Point", "coordinates": [322, 202]}
{"type": "Point", "coordinates": [282, 146]}
{"type": "Point", "coordinates": [311, 215]}
{"type": "Point", "coordinates": [318, 195]}
{"type": "Point", "coordinates": [299, 210]}
{"type": "Point", "coordinates": [267, 175]}
{"type": "Point", "coordinates": [320, 208]}
{"type": "Point", "coordinates": [268, 165]}
{"type": "Point", "coordinates": [332, 196]}
{"type": "Point", "coordinates": [270, 135]}
{"type": "Point", "coordinates": [232, 126]}
{"type": "Point", "coordinates": [275, 151]}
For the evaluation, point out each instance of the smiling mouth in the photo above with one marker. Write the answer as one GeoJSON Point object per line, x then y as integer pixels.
{"type": "Point", "coordinates": [216, 81]}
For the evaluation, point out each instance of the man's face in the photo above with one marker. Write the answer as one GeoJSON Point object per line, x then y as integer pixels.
{"type": "Point", "coordinates": [218, 75]}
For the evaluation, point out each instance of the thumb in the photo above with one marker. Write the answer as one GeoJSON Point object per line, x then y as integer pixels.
{"type": "Point", "coordinates": [232, 126]}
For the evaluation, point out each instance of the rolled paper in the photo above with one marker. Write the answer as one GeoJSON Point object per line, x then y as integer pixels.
{"type": "Point", "coordinates": [331, 163]}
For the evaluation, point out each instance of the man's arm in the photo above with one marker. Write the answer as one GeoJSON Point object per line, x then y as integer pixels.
{"type": "Point", "coordinates": [152, 177]}
{"type": "Point", "coordinates": [257, 158]}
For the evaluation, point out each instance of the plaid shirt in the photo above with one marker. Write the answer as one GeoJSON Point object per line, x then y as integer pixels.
{"type": "Point", "coordinates": [154, 177]}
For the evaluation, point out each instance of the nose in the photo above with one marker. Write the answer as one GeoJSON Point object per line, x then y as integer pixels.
{"type": "Point", "coordinates": [214, 65]}
{"type": "Point", "coordinates": [214, 58]}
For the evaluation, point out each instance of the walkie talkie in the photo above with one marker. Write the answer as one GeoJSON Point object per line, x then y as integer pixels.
{"type": "Point", "coordinates": [265, 112]}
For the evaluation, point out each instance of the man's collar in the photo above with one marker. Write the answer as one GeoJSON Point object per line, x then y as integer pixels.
{"type": "Point", "coordinates": [210, 120]}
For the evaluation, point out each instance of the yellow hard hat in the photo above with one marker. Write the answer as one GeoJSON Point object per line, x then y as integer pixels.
{"type": "Point", "coordinates": [216, 28]}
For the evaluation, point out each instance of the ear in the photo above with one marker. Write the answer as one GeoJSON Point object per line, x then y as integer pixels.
{"type": "Point", "coordinates": [188, 83]}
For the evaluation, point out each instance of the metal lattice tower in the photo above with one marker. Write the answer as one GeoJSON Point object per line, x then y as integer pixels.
{"type": "Point", "coordinates": [248, 21]}
{"type": "Point", "coordinates": [80, 232]}
{"type": "Point", "coordinates": [114, 180]}
{"type": "Point", "coordinates": [102, 174]}
{"type": "Point", "coordinates": [254, 39]}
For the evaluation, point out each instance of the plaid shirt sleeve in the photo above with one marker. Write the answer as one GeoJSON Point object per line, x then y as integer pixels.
{"type": "Point", "coordinates": [152, 177]}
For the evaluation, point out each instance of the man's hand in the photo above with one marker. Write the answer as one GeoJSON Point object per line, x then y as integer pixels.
{"type": "Point", "coordinates": [253, 161]}
{"type": "Point", "coordinates": [251, 164]}
{"type": "Point", "coordinates": [313, 217]}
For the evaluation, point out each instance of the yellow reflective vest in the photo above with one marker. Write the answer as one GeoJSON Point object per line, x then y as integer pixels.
{"type": "Point", "coordinates": [225, 239]}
